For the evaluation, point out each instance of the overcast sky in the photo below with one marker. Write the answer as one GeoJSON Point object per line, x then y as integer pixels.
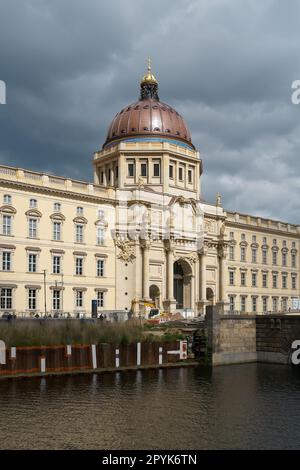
{"type": "Point", "coordinates": [226, 65]}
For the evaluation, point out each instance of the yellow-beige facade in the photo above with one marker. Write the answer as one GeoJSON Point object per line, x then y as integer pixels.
{"type": "Point", "coordinates": [141, 234]}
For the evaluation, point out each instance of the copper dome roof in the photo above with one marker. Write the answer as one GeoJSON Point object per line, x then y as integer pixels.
{"type": "Point", "coordinates": [149, 118]}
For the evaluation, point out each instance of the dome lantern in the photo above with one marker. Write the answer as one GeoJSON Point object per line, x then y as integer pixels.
{"type": "Point", "coordinates": [149, 85]}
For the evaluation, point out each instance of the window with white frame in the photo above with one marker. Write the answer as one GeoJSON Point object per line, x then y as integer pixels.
{"type": "Point", "coordinates": [100, 267]}
{"type": "Point", "coordinates": [264, 240]}
{"type": "Point", "coordinates": [100, 236]}
{"type": "Point", "coordinates": [79, 210]}
{"type": "Point", "coordinates": [7, 199]}
{"type": "Point", "coordinates": [294, 281]}
{"type": "Point", "coordinates": [5, 298]}
{"type": "Point", "coordinates": [254, 255]}
{"type": "Point", "coordinates": [144, 169]}
{"type": "Point", "coordinates": [6, 260]}
{"type": "Point", "coordinates": [79, 266]}
{"type": "Point", "coordinates": [32, 262]}
{"type": "Point", "coordinates": [283, 259]}
{"type": "Point", "coordinates": [156, 169]}
{"type": "Point", "coordinates": [284, 304]}
{"type": "Point", "coordinates": [32, 203]}
{"type": "Point", "coordinates": [131, 168]}
{"type": "Point", "coordinates": [275, 304]}
{"type": "Point", "coordinates": [274, 258]}
{"type": "Point", "coordinates": [56, 231]}
{"type": "Point", "coordinates": [264, 280]}
{"type": "Point", "coordinates": [6, 225]}
{"type": "Point", "coordinates": [231, 303]}
{"type": "Point", "coordinates": [100, 214]}
{"type": "Point", "coordinates": [79, 233]}
{"type": "Point", "coordinates": [293, 260]}
{"type": "Point", "coordinates": [264, 304]}
{"type": "Point", "coordinates": [32, 228]}
{"type": "Point", "coordinates": [231, 278]}
{"type": "Point", "coordinates": [243, 253]}
{"type": "Point", "coordinates": [32, 299]}
{"type": "Point", "coordinates": [100, 299]}
{"type": "Point", "coordinates": [243, 237]}
{"type": "Point", "coordinates": [190, 176]}
{"type": "Point", "coordinates": [254, 279]}
{"type": "Point", "coordinates": [56, 264]}
{"type": "Point", "coordinates": [243, 303]}
{"type": "Point", "coordinates": [56, 297]}
{"type": "Point", "coordinates": [254, 238]}
{"type": "Point", "coordinates": [254, 304]}
{"type": "Point", "coordinates": [284, 281]}
{"type": "Point", "coordinates": [243, 278]}
{"type": "Point", "coordinates": [57, 207]}
{"type": "Point", "coordinates": [274, 281]}
{"type": "Point", "coordinates": [231, 252]}
{"type": "Point", "coordinates": [264, 256]}
{"type": "Point", "coordinates": [79, 298]}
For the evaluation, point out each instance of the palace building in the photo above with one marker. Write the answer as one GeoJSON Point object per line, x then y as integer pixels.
{"type": "Point", "coordinates": [141, 233]}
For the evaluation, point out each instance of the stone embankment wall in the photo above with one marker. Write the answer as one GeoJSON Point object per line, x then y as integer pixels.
{"type": "Point", "coordinates": [26, 361]}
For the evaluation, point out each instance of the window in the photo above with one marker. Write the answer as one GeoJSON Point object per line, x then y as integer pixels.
{"type": "Point", "coordinates": [274, 281]}
{"type": "Point", "coordinates": [284, 281]}
{"type": "Point", "coordinates": [293, 260]}
{"type": "Point", "coordinates": [100, 299]}
{"type": "Point", "coordinates": [284, 243]}
{"type": "Point", "coordinates": [254, 279]}
{"type": "Point", "coordinates": [264, 256]}
{"type": "Point", "coordinates": [56, 264]}
{"type": "Point", "coordinates": [254, 255]}
{"type": "Point", "coordinates": [171, 171]}
{"type": "Point", "coordinates": [144, 169]}
{"type": "Point", "coordinates": [156, 169]}
{"type": "Point", "coordinates": [79, 298]}
{"type": "Point", "coordinates": [32, 262]}
{"type": "Point", "coordinates": [231, 303]}
{"type": "Point", "coordinates": [7, 199]}
{"type": "Point", "coordinates": [264, 280]}
{"type": "Point", "coordinates": [243, 253]}
{"type": "Point", "coordinates": [101, 177]}
{"type": "Point", "coordinates": [274, 257]}
{"type": "Point", "coordinates": [57, 231]}
{"type": "Point", "coordinates": [294, 244]}
{"type": "Point", "coordinates": [79, 210]}
{"type": "Point", "coordinates": [6, 225]}
{"type": "Point", "coordinates": [33, 203]}
{"type": "Point", "coordinates": [131, 170]}
{"type": "Point", "coordinates": [56, 300]}
{"type": "Point", "coordinates": [79, 266]}
{"type": "Point", "coordinates": [243, 237]}
{"type": "Point", "coordinates": [190, 176]}
{"type": "Point", "coordinates": [231, 236]}
{"type": "Point", "coordinates": [5, 298]}
{"type": "Point", "coordinates": [6, 261]}
{"type": "Point", "coordinates": [274, 242]}
{"type": "Point", "coordinates": [264, 240]}
{"type": "Point", "coordinates": [284, 304]}
{"type": "Point", "coordinates": [231, 253]}
{"type": "Point", "coordinates": [231, 278]}
{"type": "Point", "coordinates": [100, 236]}
{"type": "Point", "coordinates": [100, 267]}
{"type": "Point", "coordinates": [275, 304]}
{"type": "Point", "coordinates": [254, 304]}
{"type": "Point", "coordinates": [243, 303]}
{"type": "Point", "coordinates": [32, 228]}
{"type": "Point", "coordinates": [57, 207]}
{"type": "Point", "coordinates": [100, 214]}
{"type": "Point", "coordinates": [294, 278]}
{"type": "Point", "coordinates": [254, 238]}
{"type": "Point", "coordinates": [265, 304]}
{"type": "Point", "coordinates": [79, 233]}
{"type": "Point", "coordinates": [283, 259]}
{"type": "Point", "coordinates": [180, 174]}
{"type": "Point", "coordinates": [32, 299]}
{"type": "Point", "coordinates": [243, 278]}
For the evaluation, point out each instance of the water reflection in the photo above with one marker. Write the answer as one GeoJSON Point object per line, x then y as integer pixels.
{"type": "Point", "coordinates": [243, 406]}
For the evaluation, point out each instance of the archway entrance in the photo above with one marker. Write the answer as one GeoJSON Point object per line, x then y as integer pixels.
{"type": "Point", "coordinates": [182, 284]}
{"type": "Point", "coordinates": [154, 294]}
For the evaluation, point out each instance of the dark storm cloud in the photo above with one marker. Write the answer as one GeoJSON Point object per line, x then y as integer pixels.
{"type": "Point", "coordinates": [227, 66]}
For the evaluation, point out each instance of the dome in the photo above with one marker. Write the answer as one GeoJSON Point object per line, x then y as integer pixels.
{"type": "Point", "coordinates": [149, 119]}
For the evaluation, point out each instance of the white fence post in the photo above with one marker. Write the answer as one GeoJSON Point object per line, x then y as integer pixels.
{"type": "Point", "coordinates": [94, 356]}
{"type": "Point", "coordinates": [138, 354]}
{"type": "Point", "coordinates": [2, 353]}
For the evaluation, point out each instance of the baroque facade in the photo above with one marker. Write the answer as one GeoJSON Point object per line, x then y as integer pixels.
{"type": "Point", "coordinates": [141, 233]}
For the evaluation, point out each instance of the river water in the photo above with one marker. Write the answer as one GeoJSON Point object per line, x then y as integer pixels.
{"type": "Point", "coordinates": [250, 406]}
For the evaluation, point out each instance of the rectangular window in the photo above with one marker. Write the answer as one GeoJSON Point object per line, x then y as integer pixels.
{"type": "Point", "coordinates": [253, 238]}
{"type": "Point", "coordinates": [284, 281]}
{"type": "Point", "coordinates": [180, 174]}
{"type": "Point", "coordinates": [275, 304]}
{"type": "Point", "coordinates": [32, 299]}
{"type": "Point", "coordinates": [265, 304]}
{"type": "Point", "coordinates": [171, 171]}
{"type": "Point", "coordinates": [243, 278]}
{"type": "Point", "coordinates": [283, 259]}
{"type": "Point", "coordinates": [254, 279]}
{"type": "Point", "coordinates": [254, 255]}
{"type": "Point", "coordinates": [6, 261]}
{"type": "Point", "coordinates": [231, 253]}
{"type": "Point", "coordinates": [79, 233]}
{"type": "Point", "coordinates": [100, 267]}
{"type": "Point", "coordinates": [274, 281]}
{"type": "Point", "coordinates": [32, 263]}
{"type": "Point", "coordinates": [57, 231]}
{"type": "Point", "coordinates": [293, 260]}
{"type": "Point", "coordinates": [156, 169]}
{"type": "Point", "coordinates": [231, 236]}
{"type": "Point", "coordinates": [274, 258]}
{"type": "Point", "coordinates": [231, 278]}
{"type": "Point", "coordinates": [190, 176]}
{"type": "Point", "coordinates": [7, 199]}
{"type": "Point", "coordinates": [100, 299]}
{"type": "Point", "coordinates": [100, 236]}
{"type": "Point", "coordinates": [79, 267]}
{"type": "Point", "coordinates": [264, 256]}
{"type": "Point", "coordinates": [294, 282]}
{"type": "Point", "coordinates": [264, 240]}
{"type": "Point", "coordinates": [243, 237]}
{"type": "Point", "coordinates": [243, 253]}
{"type": "Point", "coordinates": [56, 264]}
{"type": "Point", "coordinates": [33, 203]}
{"type": "Point", "coordinates": [144, 169]}
{"type": "Point", "coordinates": [131, 170]}
{"type": "Point", "coordinates": [32, 228]}
{"type": "Point", "coordinates": [79, 210]}
{"type": "Point", "coordinates": [6, 298]}
{"type": "Point", "coordinates": [264, 280]}
{"type": "Point", "coordinates": [56, 300]}
{"type": "Point", "coordinates": [79, 298]}
{"type": "Point", "coordinates": [243, 304]}
{"type": "Point", "coordinates": [231, 303]}
{"type": "Point", "coordinates": [284, 304]}
{"type": "Point", "coordinates": [6, 225]}
{"type": "Point", "coordinates": [57, 207]}
{"type": "Point", "coordinates": [254, 304]}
